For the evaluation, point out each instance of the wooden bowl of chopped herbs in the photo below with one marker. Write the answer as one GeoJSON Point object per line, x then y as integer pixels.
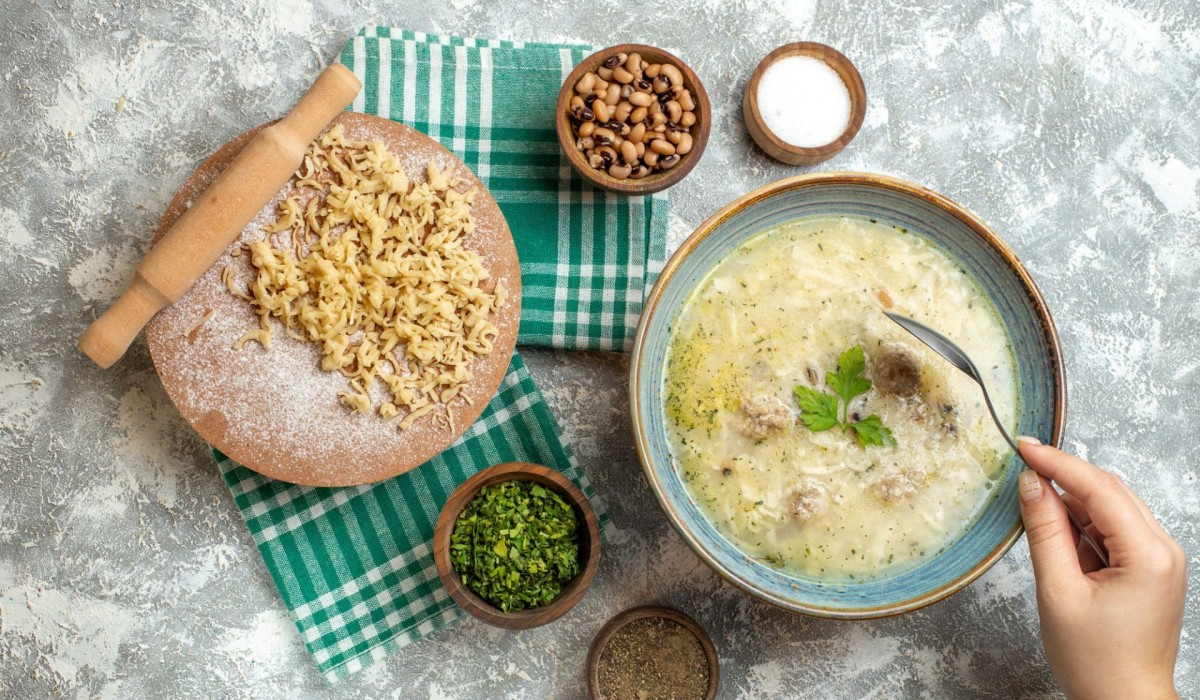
{"type": "Point", "coordinates": [517, 545]}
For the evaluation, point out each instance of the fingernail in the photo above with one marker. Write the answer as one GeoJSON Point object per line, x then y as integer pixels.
{"type": "Point", "coordinates": [1030, 440]}
{"type": "Point", "coordinates": [1029, 486]}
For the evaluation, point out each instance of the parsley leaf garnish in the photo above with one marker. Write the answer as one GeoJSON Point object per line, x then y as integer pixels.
{"type": "Point", "coordinates": [819, 410]}
{"type": "Point", "coordinates": [870, 431]}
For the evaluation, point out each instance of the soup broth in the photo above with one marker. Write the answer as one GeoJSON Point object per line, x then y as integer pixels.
{"type": "Point", "coordinates": [776, 314]}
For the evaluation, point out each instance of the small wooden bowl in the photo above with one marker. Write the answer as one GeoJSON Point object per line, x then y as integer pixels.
{"type": "Point", "coordinates": [622, 619]}
{"type": "Point", "coordinates": [654, 182]}
{"type": "Point", "coordinates": [776, 147]}
{"type": "Point", "coordinates": [589, 545]}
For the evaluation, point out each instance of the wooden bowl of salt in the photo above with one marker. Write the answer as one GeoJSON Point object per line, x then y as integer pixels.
{"type": "Point", "coordinates": [804, 103]}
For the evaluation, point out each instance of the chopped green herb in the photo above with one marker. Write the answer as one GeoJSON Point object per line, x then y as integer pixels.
{"type": "Point", "coordinates": [516, 545]}
{"type": "Point", "coordinates": [819, 410]}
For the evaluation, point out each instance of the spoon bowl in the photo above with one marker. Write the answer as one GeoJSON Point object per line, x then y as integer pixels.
{"type": "Point", "coordinates": [947, 349]}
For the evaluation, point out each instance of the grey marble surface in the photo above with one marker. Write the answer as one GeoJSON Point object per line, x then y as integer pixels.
{"type": "Point", "coordinates": [125, 570]}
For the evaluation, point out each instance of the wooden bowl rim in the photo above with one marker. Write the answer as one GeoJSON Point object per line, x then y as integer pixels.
{"type": "Point", "coordinates": [589, 537]}
{"type": "Point", "coordinates": [618, 621]}
{"type": "Point", "coordinates": [845, 69]}
{"type": "Point", "coordinates": [651, 183]}
{"type": "Point", "coordinates": [638, 417]}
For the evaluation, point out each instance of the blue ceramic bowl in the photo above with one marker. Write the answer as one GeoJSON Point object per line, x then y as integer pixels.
{"type": "Point", "coordinates": [955, 231]}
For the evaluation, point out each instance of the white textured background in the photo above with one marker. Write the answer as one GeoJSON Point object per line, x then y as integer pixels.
{"type": "Point", "coordinates": [125, 570]}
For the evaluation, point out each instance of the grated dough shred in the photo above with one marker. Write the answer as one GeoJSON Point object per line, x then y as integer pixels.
{"type": "Point", "coordinates": [372, 267]}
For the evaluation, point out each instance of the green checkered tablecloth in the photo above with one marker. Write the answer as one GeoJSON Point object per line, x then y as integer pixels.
{"type": "Point", "coordinates": [588, 257]}
{"type": "Point", "coordinates": [354, 565]}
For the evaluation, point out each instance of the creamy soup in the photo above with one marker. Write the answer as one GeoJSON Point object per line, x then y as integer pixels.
{"type": "Point", "coordinates": [776, 314]}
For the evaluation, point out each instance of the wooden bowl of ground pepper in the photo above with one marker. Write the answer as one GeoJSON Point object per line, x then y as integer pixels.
{"type": "Point", "coordinates": [517, 545]}
{"type": "Point", "coordinates": [652, 653]}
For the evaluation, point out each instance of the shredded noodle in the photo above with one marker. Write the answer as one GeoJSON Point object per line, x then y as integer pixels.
{"type": "Point", "coordinates": [373, 268]}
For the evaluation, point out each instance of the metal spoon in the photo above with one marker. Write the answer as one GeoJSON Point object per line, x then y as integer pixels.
{"type": "Point", "coordinates": [947, 349]}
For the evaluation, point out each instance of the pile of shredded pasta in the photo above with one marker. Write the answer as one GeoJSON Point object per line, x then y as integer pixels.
{"type": "Point", "coordinates": [373, 268]}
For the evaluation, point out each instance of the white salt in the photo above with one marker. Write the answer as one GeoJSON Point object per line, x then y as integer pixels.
{"type": "Point", "coordinates": [804, 101]}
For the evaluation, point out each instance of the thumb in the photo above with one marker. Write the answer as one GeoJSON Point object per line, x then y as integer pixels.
{"type": "Point", "coordinates": [1048, 531]}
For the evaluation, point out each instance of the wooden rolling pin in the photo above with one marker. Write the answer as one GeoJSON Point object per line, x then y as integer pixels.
{"type": "Point", "coordinates": [218, 216]}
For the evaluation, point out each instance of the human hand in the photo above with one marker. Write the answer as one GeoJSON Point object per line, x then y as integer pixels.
{"type": "Point", "coordinates": [1109, 632]}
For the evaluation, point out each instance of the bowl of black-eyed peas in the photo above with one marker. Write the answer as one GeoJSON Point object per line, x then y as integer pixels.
{"type": "Point", "coordinates": [633, 119]}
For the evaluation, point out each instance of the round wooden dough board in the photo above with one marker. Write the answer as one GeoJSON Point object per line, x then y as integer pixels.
{"type": "Point", "coordinates": [275, 411]}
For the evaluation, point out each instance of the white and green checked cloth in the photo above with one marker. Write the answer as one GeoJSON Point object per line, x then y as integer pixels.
{"type": "Point", "coordinates": [588, 257]}
{"type": "Point", "coordinates": [354, 565]}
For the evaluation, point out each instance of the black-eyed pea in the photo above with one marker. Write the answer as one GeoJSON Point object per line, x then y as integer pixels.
{"type": "Point", "coordinates": [626, 91]}
{"type": "Point", "coordinates": [673, 137]}
{"type": "Point", "coordinates": [605, 72]}
{"type": "Point", "coordinates": [640, 172]}
{"type": "Point", "coordinates": [603, 136]}
{"type": "Point", "coordinates": [586, 128]}
{"type": "Point", "coordinates": [641, 149]}
{"type": "Point", "coordinates": [600, 86]}
{"type": "Point", "coordinates": [684, 146]}
{"type": "Point", "coordinates": [652, 70]}
{"type": "Point", "coordinates": [585, 84]}
{"type": "Point", "coordinates": [661, 84]}
{"type": "Point", "coordinates": [612, 95]}
{"type": "Point", "coordinates": [668, 162]}
{"type": "Point", "coordinates": [643, 85]}
{"type": "Point", "coordinates": [633, 64]}
{"type": "Point", "coordinates": [600, 107]}
{"type": "Point", "coordinates": [638, 115]}
{"type": "Point", "coordinates": [608, 154]}
{"type": "Point", "coordinates": [622, 111]}
{"type": "Point", "coordinates": [617, 141]}
{"type": "Point", "coordinates": [595, 160]}
{"type": "Point", "coordinates": [636, 133]}
{"type": "Point", "coordinates": [650, 158]}
{"type": "Point", "coordinates": [615, 60]}
{"type": "Point", "coordinates": [622, 76]}
{"type": "Point", "coordinates": [662, 147]}
{"type": "Point", "coordinates": [686, 100]}
{"type": "Point", "coordinates": [629, 152]}
{"type": "Point", "coordinates": [687, 119]}
{"type": "Point", "coordinates": [619, 171]}
{"type": "Point", "coordinates": [673, 74]}
{"type": "Point", "coordinates": [674, 112]}
{"type": "Point", "coordinates": [658, 122]}
{"type": "Point", "coordinates": [641, 99]}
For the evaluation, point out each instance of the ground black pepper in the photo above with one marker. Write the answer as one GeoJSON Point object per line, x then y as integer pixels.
{"type": "Point", "coordinates": [653, 658]}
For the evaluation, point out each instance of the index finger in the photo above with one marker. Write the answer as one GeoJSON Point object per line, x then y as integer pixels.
{"type": "Point", "coordinates": [1111, 509]}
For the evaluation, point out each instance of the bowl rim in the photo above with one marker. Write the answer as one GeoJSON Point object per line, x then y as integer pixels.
{"type": "Point", "coordinates": [651, 183]}
{"type": "Point", "coordinates": [589, 536]}
{"type": "Point", "coordinates": [885, 182]}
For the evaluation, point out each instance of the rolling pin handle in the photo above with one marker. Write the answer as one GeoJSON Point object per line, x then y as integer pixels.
{"type": "Point", "coordinates": [333, 89]}
{"type": "Point", "coordinates": [202, 233]}
{"type": "Point", "coordinates": [107, 339]}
